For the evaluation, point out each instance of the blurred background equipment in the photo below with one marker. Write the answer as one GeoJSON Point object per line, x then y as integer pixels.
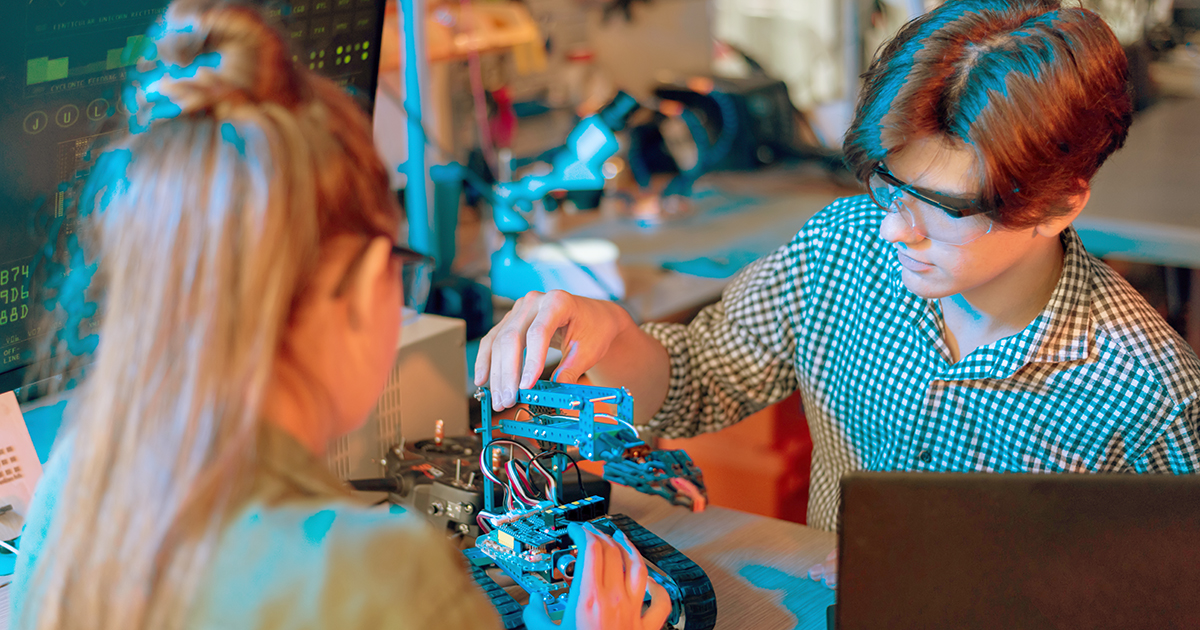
{"type": "Point", "coordinates": [427, 389]}
{"type": "Point", "coordinates": [61, 67]}
{"type": "Point", "coordinates": [62, 64]}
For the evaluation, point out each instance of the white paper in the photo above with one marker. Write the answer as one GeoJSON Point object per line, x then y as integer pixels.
{"type": "Point", "coordinates": [20, 469]}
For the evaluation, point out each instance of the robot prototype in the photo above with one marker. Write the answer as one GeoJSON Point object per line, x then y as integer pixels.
{"type": "Point", "coordinates": [526, 536]}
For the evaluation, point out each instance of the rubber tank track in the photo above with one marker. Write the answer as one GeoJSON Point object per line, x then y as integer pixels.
{"type": "Point", "coordinates": [509, 610]}
{"type": "Point", "coordinates": [699, 599]}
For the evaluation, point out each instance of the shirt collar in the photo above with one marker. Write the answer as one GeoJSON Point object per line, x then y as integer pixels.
{"type": "Point", "coordinates": [289, 470]}
{"type": "Point", "coordinates": [1060, 333]}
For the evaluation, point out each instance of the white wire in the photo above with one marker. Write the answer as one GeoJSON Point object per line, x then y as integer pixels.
{"type": "Point", "coordinates": [620, 421]}
{"type": "Point", "coordinates": [520, 484]}
{"type": "Point", "coordinates": [600, 415]}
{"type": "Point", "coordinates": [10, 548]}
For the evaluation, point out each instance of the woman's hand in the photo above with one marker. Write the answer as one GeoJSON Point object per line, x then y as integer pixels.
{"type": "Point", "coordinates": [582, 327]}
{"type": "Point", "coordinates": [826, 572]}
{"type": "Point", "coordinates": [608, 588]}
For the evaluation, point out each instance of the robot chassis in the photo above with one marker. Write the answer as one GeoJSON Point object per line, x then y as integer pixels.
{"type": "Point", "coordinates": [527, 538]}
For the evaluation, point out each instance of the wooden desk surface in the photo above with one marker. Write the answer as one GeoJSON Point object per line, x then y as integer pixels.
{"type": "Point", "coordinates": [758, 565]}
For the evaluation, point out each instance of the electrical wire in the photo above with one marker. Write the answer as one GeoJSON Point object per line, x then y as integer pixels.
{"type": "Point", "coordinates": [578, 474]}
{"type": "Point", "coordinates": [619, 421]}
{"type": "Point", "coordinates": [479, 97]}
{"type": "Point", "coordinates": [599, 415]}
{"type": "Point", "coordinates": [520, 483]}
{"type": "Point", "coordinates": [10, 548]}
{"type": "Point", "coordinates": [518, 487]}
{"type": "Point", "coordinates": [486, 468]}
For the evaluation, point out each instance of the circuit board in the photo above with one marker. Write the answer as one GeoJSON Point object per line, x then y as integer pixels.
{"type": "Point", "coordinates": [527, 536]}
{"type": "Point", "coordinates": [534, 549]}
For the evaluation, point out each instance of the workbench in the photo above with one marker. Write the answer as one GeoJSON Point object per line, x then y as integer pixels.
{"type": "Point", "coordinates": [758, 565]}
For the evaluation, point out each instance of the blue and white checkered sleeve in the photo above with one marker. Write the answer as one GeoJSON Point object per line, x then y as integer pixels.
{"type": "Point", "coordinates": [1177, 450]}
{"type": "Point", "coordinates": [737, 356]}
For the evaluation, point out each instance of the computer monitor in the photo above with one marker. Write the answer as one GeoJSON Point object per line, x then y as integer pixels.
{"type": "Point", "coordinates": [62, 64]}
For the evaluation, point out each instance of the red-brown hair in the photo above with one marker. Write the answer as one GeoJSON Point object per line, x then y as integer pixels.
{"type": "Point", "coordinates": [1036, 90]}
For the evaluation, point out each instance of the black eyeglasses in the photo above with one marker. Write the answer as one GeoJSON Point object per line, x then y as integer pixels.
{"type": "Point", "coordinates": [956, 207]}
{"type": "Point", "coordinates": [416, 275]}
{"type": "Point", "coordinates": [934, 215]}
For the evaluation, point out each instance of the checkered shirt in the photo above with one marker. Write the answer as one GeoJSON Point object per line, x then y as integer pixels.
{"type": "Point", "coordinates": [1097, 382]}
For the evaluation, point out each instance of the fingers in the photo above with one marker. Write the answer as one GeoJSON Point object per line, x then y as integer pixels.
{"type": "Point", "coordinates": [483, 360]}
{"type": "Point", "coordinates": [660, 608]}
{"type": "Point", "coordinates": [830, 577]}
{"type": "Point", "coordinates": [506, 360]}
{"type": "Point", "coordinates": [501, 351]}
{"type": "Point", "coordinates": [585, 563]}
{"type": "Point", "coordinates": [614, 582]}
{"type": "Point", "coordinates": [536, 617]}
{"type": "Point", "coordinates": [513, 354]}
{"type": "Point", "coordinates": [636, 573]}
{"type": "Point", "coordinates": [612, 574]}
{"type": "Point", "coordinates": [827, 571]}
{"type": "Point", "coordinates": [689, 490]}
{"type": "Point", "coordinates": [537, 343]}
{"type": "Point", "coordinates": [816, 572]}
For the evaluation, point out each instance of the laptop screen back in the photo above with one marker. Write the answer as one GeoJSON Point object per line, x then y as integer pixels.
{"type": "Point", "coordinates": [943, 550]}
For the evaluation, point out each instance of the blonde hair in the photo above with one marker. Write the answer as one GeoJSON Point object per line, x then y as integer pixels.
{"type": "Point", "coordinates": [240, 166]}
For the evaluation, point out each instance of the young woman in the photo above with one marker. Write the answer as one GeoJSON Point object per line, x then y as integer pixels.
{"type": "Point", "coordinates": [951, 319]}
{"type": "Point", "coordinates": [251, 312]}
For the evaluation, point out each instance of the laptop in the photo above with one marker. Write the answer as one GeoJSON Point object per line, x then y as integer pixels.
{"type": "Point", "coordinates": [1018, 551]}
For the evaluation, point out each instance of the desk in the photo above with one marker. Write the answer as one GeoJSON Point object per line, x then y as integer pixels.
{"type": "Point", "coordinates": [758, 565]}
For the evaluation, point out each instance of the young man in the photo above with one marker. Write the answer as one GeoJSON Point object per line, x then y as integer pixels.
{"type": "Point", "coordinates": [950, 320]}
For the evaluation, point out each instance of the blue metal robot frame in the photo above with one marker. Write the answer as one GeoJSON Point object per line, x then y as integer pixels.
{"type": "Point", "coordinates": [596, 441]}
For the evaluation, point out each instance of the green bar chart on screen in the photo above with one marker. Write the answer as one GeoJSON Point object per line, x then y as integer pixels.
{"type": "Point", "coordinates": [43, 69]}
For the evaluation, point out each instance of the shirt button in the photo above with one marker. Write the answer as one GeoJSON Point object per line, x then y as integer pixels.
{"type": "Point", "coordinates": [925, 456]}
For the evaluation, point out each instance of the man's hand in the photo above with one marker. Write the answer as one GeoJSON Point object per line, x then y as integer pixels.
{"type": "Point", "coordinates": [608, 588]}
{"type": "Point", "coordinates": [826, 572]}
{"type": "Point", "coordinates": [583, 329]}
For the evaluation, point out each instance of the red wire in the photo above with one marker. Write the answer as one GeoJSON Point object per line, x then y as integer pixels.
{"type": "Point", "coordinates": [477, 94]}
